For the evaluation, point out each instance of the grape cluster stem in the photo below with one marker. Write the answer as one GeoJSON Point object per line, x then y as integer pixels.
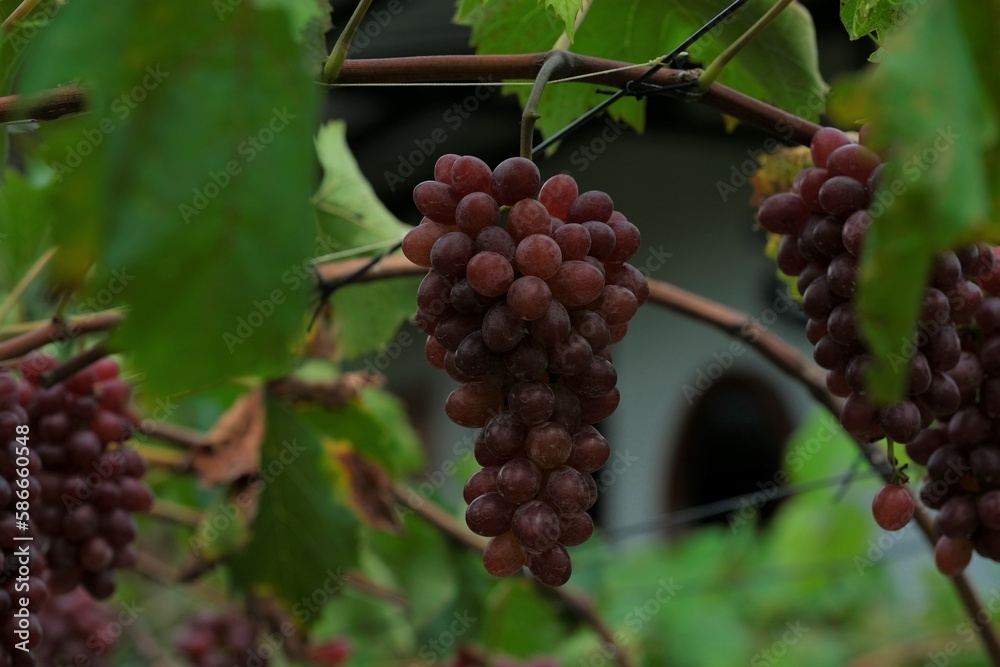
{"type": "Point", "coordinates": [557, 64]}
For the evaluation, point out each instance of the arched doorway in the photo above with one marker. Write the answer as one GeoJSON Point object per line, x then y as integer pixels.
{"type": "Point", "coordinates": [730, 443]}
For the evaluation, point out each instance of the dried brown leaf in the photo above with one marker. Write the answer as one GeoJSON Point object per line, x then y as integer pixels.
{"type": "Point", "coordinates": [235, 441]}
{"type": "Point", "coordinates": [370, 490]}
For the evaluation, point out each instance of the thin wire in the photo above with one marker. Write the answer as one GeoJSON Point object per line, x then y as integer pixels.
{"type": "Point", "coordinates": [575, 77]}
{"type": "Point", "coordinates": [360, 250]}
{"type": "Point", "coordinates": [693, 514]}
{"type": "Point", "coordinates": [628, 89]}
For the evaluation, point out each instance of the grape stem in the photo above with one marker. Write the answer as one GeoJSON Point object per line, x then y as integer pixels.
{"type": "Point", "coordinates": [556, 64]}
{"type": "Point", "coordinates": [711, 73]}
{"type": "Point", "coordinates": [62, 101]}
{"type": "Point", "coordinates": [58, 330]}
{"type": "Point", "coordinates": [579, 604]}
{"type": "Point", "coordinates": [333, 65]}
{"type": "Point", "coordinates": [74, 365]}
{"type": "Point", "coordinates": [25, 281]}
{"type": "Point", "coordinates": [19, 14]}
{"type": "Point", "coordinates": [899, 475]}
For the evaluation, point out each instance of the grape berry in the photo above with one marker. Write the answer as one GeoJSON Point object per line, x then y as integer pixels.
{"type": "Point", "coordinates": [523, 317]}
{"type": "Point", "coordinates": [220, 640]}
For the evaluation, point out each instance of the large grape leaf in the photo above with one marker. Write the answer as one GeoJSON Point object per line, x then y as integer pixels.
{"type": "Point", "coordinates": [300, 13]}
{"type": "Point", "coordinates": [560, 12]}
{"type": "Point", "coordinates": [421, 565]}
{"type": "Point", "coordinates": [24, 225]}
{"type": "Point", "coordinates": [189, 181]}
{"type": "Point", "coordinates": [350, 214]}
{"type": "Point", "coordinates": [779, 66]}
{"type": "Point", "coordinates": [520, 621]}
{"type": "Point", "coordinates": [936, 190]}
{"type": "Point", "coordinates": [864, 17]}
{"type": "Point", "coordinates": [304, 540]}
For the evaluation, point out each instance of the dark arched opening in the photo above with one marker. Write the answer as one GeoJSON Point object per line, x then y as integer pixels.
{"type": "Point", "coordinates": [731, 443]}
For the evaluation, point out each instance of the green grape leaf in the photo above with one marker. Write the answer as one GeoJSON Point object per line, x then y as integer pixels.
{"type": "Point", "coordinates": [300, 12]}
{"type": "Point", "coordinates": [188, 181]}
{"type": "Point", "coordinates": [223, 527]}
{"type": "Point", "coordinates": [979, 23]}
{"type": "Point", "coordinates": [422, 566]}
{"type": "Point", "coordinates": [520, 621]}
{"type": "Point", "coordinates": [935, 193]}
{"type": "Point", "coordinates": [780, 66]}
{"type": "Point", "coordinates": [465, 7]}
{"type": "Point", "coordinates": [864, 17]}
{"type": "Point", "coordinates": [298, 515]}
{"type": "Point", "coordinates": [350, 214]}
{"type": "Point", "coordinates": [566, 10]}
{"type": "Point", "coordinates": [375, 424]}
{"type": "Point", "coordinates": [24, 226]}
{"type": "Point", "coordinates": [359, 328]}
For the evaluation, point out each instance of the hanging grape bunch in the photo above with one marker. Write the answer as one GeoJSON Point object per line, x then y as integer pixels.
{"type": "Point", "coordinates": [222, 640]}
{"type": "Point", "coordinates": [523, 316]}
{"type": "Point", "coordinates": [83, 484]}
{"type": "Point", "coordinates": [823, 223]}
{"type": "Point", "coordinates": [91, 482]}
{"type": "Point", "coordinates": [962, 479]}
